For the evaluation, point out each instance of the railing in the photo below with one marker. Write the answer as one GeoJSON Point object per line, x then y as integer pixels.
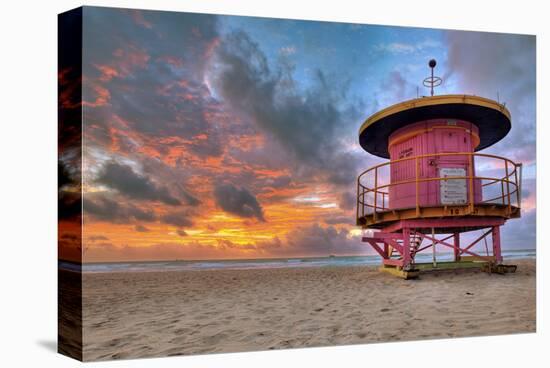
{"type": "Point", "coordinates": [504, 189]}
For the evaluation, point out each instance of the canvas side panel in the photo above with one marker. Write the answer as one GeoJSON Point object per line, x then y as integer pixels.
{"type": "Point", "coordinates": [70, 183]}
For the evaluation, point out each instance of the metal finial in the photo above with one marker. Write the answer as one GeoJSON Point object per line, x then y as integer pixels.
{"type": "Point", "coordinates": [432, 81]}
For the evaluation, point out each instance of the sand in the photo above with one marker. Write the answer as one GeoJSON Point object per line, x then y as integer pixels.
{"type": "Point", "coordinates": [131, 315]}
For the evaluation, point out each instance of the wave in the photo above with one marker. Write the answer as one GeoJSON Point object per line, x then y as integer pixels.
{"type": "Point", "coordinates": [332, 261]}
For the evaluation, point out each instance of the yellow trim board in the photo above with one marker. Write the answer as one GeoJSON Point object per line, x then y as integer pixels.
{"type": "Point", "coordinates": [432, 101]}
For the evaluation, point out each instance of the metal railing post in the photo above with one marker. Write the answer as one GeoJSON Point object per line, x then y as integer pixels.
{"type": "Point", "coordinates": [357, 198]}
{"type": "Point", "coordinates": [520, 183]}
{"type": "Point", "coordinates": [471, 183]}
{"type": "Point", "coordinates": [508, 188]}
{"type": "Point", "coordinates": [375, 191]}
{"type": "Point", "coordinates": [516, 182]}
{"type": "Point", "coordinates": [416, 163]}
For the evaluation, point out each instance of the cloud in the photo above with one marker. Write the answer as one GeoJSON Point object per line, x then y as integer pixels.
{"type": "Point", "coordinates": [157, 252]}
{"type": "Point", "coordinates": [141, 229]}
{"type": "Point", "coordinates": [154, 85]}
{"type": "Point", "coordinates": [126, 181]}
{"type": "Point", "coordinates": [317, 240]}
{"type": "Point", "coordinates": [520, 233]}
{"type": "Point", "coordinates": [103, 208]}
{"type": "Point", "coordinates": [304, 241]}
{"type": "Point", "coordinates": [306, 123]}
{"type": "Point", "coordinates": [489, 63]}
{"type": "Point", "coordinates": [396, 86]}
{"type": "Point", "coordinates": [181, 232]}
{"type": "Point", "coordinates": [337, 220]}
{"type": "Point", "coordinates": [347, 200]}
{"type": "Point", "coordinates": [238, 201]}
{"type": "Point", "coordinates": [69, 187]}
{"type": "Point", "coordinates": [94, 238]}
{"type": "Point", "coordinates": [406, 48]}
{"type": "Point", "coordinates": [177, 218]}
{"type": "Point", "coordinates": [287, 50]}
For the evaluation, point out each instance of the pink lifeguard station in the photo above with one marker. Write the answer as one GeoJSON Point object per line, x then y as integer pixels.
{"type": "Point", "coordinates": [436, 182]}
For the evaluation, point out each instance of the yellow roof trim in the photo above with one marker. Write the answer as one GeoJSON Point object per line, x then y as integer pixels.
{"type": "Point", "coordinates": [431, 101]}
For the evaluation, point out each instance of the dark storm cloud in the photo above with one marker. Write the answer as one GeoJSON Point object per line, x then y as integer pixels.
{"type": "Point", "coordinates": [111, 208]}
{"type": "Point", "coordinates": [238, 201]}
{"type": "Point", "coordinates": [304, 122]}
{"type": "Point", "coordinates": [103, 208]}
{"type": "Point", "coordinates": [127, 182]}
{"type": "Point", "coordinates": [177, 218]}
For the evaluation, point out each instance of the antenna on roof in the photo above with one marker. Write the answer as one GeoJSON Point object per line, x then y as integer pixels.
{"type": "Point", "coordinates": [432, 81]}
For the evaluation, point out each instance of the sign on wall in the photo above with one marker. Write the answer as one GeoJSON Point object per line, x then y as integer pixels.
{"type": "Point", "coordinates": [453, 191]}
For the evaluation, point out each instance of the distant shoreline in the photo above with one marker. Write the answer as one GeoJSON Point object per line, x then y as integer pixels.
{"type": "Point", "coordinates": [264, 263]}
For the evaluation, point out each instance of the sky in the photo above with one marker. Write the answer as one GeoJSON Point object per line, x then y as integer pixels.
{"type": "Point", "coordinates": [216, 137]}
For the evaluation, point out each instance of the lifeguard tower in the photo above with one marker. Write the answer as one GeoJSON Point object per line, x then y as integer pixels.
{"type": "Point", "coordinates": [437, 182]}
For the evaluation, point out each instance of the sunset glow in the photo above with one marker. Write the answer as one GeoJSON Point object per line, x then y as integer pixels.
{"type": "Point", "coordinates": [214, 137]}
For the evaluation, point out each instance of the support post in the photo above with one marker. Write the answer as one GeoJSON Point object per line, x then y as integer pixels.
{"type": "Point", "coordinates": [456, 237]}
{"type": "Point", "coordinates": [417, 185]}
{"type": "Point", "coordinates": [496, 244]}
{"type": "Point", "coordinates": [406, 247]}
{"type": "Point", "coordinates": [375, 192]}
{"type": "Point", "coordinates": [434, 262]}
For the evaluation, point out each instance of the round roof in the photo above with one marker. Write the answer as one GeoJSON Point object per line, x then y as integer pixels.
{"type": "Point", "coordinates": [492, 119]}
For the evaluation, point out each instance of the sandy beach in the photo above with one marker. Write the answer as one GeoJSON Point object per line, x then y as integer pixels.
{"type": "Point", "coordinates": [132, 315]}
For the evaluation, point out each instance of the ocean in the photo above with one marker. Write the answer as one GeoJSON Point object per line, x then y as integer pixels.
{"type": "Point", "coordinates": [244, 264]}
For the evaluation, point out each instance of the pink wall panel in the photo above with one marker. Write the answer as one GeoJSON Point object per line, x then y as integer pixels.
{"type": "Point", "coordinates": [433, 136]}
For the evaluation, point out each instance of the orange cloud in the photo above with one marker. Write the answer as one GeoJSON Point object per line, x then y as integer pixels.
{"type": "Point", "coordinates": [107, 72]}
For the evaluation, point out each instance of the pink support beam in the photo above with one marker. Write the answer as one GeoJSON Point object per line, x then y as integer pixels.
{"type": "Point", "coordinates": [382, 242]}
{"type": "Point", "coordinates": [456, 238]}
{"type": "Point", "coordinates": [431, 245]}
{"type": "Point", "coordinates": [475, 241]}
{"type": "Point", "coordinates": [377, 248]}
{"type": "Point", "coordinates": [388, 241]}
{"type": "Point", "coordinates": [393, 262]}
{"type": "Point", "coordinates": [496, 244]}
{"type": "Point", "coordinates": [453, 247]}
{"type": "Point", "coordinates": [406, 247]}
{"type": "Point", "coordinates": [396, 246]}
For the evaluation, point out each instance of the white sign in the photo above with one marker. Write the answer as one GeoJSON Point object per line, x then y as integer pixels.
{"type": "Point", "coordinates": [453, 191]}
